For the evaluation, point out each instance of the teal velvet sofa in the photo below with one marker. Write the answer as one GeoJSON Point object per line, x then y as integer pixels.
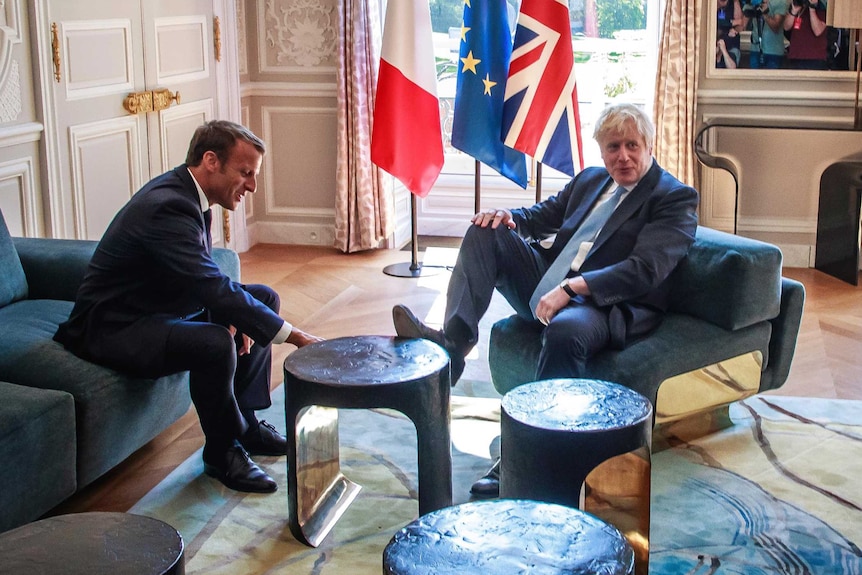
{"type": "Point", "coordinates": [730, 332]}
{"type": "Point", "coordinates": [64, 422]}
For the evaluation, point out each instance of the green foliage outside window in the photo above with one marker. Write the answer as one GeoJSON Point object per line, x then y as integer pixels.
{"type": "Point", "coordinates": [446, 14]}
{"type": "Point", "coordinates": [613, 15]}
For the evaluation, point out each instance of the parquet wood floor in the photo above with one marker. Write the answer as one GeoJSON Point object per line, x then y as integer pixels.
{"type": "Point", "coordinates": [332, 294]}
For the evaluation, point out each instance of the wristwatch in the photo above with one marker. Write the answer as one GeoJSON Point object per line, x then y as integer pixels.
{"type": "Point", "coordinates": [564, 285]}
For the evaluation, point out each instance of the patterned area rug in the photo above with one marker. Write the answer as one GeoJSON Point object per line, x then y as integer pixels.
{"type": "Point", "coordinates": [776, 493]}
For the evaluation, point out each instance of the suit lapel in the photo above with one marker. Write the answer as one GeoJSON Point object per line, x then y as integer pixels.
{"type": "Point", "coordinates": [630, 204]}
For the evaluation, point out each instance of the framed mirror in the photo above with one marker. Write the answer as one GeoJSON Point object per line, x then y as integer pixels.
{"type": "Point", "coordinates": [786, 38]}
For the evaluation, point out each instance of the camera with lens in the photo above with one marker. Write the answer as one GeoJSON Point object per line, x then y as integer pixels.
{"type": "Point", "coordinates": [754, 8]}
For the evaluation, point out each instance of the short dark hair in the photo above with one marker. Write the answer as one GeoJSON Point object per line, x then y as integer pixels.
{"type": "Point", "coordinates": [219, 137]}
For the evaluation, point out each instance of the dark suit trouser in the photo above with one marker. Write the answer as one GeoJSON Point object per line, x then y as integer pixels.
{"type": "Point", "coordinates": [222, 384]}
{"type": "Point", "coordinates": [501, 259]}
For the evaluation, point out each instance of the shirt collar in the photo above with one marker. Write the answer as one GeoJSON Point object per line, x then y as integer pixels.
{"type": "Point", "coordinates": [205, 203]}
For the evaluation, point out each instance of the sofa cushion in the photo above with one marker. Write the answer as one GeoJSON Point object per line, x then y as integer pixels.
{"type": "Point", "coordinates": [115, 414]}
{"type": "Point", "coordinates": [37, 448]}
{"type": "Point", "coordinates": [13, 284]}
{"type": "Point", "coordinates": [643, 365]}
{"type": "Point", "coordinates": [729, 280]}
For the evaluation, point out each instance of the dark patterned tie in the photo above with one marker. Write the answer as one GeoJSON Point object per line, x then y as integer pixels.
{"type": "Point", "coordinates": [208, 220]}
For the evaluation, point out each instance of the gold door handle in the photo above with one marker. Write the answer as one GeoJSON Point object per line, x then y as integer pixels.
{"type": "Point", "coordinates": [150, 101]}
{"type": "Point", "coordinates": [162, 99]}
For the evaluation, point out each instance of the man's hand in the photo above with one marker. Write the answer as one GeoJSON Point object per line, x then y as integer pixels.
{"type": "Point", "coordinates": [247, 342]}
{"type": "Point", "coordinates": [550, 304]}
{"type": "Point", "coordinates": [299, 338]}
{"type": "Point", "coordinates": [556, 299]}
{"type": "Point", "coordinates": [493, 218]}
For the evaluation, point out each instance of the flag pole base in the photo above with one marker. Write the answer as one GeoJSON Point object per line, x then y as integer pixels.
{"type": "Point", "coordinates": [410, 270]}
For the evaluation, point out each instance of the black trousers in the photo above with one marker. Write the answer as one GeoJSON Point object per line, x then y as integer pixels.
{"type": "Point", "coordinates": [501, 259]}
{"type": "Point", "coordinates": [222, 384]}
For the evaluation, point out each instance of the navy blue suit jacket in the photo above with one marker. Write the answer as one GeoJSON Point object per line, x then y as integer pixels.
{"type": "Point", "coordinates": [645, 238]}
{"type": "Point", "coordinates": [151, 269]}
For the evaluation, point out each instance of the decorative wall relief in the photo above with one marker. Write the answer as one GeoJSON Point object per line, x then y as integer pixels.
{"type": "Point", "coordinates": [10, 83]}
{"type": "Point", "coordinates": [10, 96]}
{"type": "Point", "coordinates": [302, 32]}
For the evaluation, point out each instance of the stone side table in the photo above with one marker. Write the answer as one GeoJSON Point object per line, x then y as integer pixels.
{"type": "Point", "coordinates": [93, 544]}
{"type": "Point", "coordinates": [361, 372]}
{"type": "Point", "coordinates": [506, 536]}
{"type": "Point", "coordinates": [583, 443]}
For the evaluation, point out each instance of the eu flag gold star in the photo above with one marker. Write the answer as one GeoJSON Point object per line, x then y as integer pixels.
{"type": "Point", "coordinates": [488, 84]}
{"type": "Point", "coordinates": [470, 62]}
{"type": "Point", "coordinates": [464, 30]}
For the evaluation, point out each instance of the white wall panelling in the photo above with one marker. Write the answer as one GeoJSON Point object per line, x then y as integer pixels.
{"type": "Point", "coordinates": [10, 18]}
{"type": "Point", "coordinates": [19, 200]}
{"type": "Point", "coordinates": [108, 151]}
{"type": "Point", "coordinates": [107, 41]}
{"type": "Point", "coordinates": [182, 45]}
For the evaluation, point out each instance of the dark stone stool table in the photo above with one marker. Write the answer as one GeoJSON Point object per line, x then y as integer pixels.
{"type": "Point", "coordinates": [93, 544]}
{"type": "Point", "coordinates": [361, 372]}
{"type": "Point", "coordinates": [582, 443]}
{"type": "Point", "coordinates": [507, 536]}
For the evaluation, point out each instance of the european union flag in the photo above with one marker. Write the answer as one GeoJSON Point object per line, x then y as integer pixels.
{"type": "Point", "coordinates": [486, 47]}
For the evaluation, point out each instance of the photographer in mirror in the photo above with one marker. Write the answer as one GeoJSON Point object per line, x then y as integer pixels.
{"type": "Point", "coordinates": [767, 32]}
{"type": "Point", "coordinates": [806, 23]}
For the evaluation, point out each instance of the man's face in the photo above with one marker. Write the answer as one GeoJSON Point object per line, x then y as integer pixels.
{"type": "Point", "coordinates": [231, 179]}
{"type": "Point", "coordinates": [626, 154]}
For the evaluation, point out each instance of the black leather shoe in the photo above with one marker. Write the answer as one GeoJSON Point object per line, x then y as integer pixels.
{"type": "Point", "coordinates": [237, 471]}
{"type": "Point", "coordinates": [489, 485]}
{"type": "Point", "coordinates": [265, 440]}
{"type": "Point", "coordinates": [408, 325]}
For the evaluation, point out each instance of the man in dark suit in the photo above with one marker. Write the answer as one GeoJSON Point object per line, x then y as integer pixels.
{"type": "Point", "coordinates": [153, 302]}
{"type": "Point", "coordinates": [604, 278]}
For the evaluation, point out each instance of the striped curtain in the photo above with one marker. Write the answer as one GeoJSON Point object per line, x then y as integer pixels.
{"type": "Point", "coordinates": [363, 198]}
{"type": "Point", "coordinates": [676, 89]}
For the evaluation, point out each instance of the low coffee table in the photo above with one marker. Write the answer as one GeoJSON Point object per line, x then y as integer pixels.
{"type": "Point", "coordinates": [583, 443]}
{"type": "Point", "coordinates": [93, 544]}
{"type": "Point", "coordinates": [361, 372]}
{"type": "Point", "coordinates": [506, 536]}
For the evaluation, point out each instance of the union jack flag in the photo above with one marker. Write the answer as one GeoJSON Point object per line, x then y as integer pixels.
{"type": "Point", "coordinates": [540, 112]}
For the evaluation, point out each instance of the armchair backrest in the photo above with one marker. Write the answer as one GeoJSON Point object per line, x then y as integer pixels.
{"type": "Point", "coordinates": [728, 280]}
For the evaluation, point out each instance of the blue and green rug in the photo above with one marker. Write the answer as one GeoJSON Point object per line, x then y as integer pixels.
{"type": "Point", "coordinates": [777, 493]}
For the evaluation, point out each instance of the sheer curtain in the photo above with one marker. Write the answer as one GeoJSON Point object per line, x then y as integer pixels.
{"type": "Point", "coordinates": [676, 89]}
{"type": "Point", "coordinates": [363, 200]}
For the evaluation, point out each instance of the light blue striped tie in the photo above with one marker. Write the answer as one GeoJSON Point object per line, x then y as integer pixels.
{"type": "Point", "coordinates": [587, 231]}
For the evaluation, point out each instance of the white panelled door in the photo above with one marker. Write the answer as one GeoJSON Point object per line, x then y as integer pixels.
{"type": "Point", "coordinates": [133, 79]}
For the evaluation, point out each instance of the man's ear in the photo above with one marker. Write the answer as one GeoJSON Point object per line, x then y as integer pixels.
{"type": "Point", "coordinates": [210, 161]}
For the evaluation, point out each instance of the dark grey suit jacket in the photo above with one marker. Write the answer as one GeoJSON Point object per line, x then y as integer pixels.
{"type": "Point", "coordinates": [151, 269]}
{"type": "Point", "coordinates": [637, 249]}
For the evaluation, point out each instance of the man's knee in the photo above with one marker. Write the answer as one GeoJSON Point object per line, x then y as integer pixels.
{"type": "Point", "coordinates": [576, 340]}
{"type": "Point", "coordinates": [265, 295]}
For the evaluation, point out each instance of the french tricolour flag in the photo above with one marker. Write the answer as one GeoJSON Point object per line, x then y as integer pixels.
{"type": "Point", "coordinates": [406, 139]}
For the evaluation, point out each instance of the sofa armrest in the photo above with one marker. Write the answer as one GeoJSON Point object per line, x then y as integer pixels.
{"type": "Point", "coordinates": [785, 331]}
{"type": "Point", "coordinates": [228, 262]}
{"type": "Point", "coordinates": [54, 268]}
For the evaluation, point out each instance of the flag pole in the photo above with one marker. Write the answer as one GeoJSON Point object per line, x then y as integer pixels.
{"type": "Point", "coordinates": [477, 186]}
{"type": "Point", "coordinates": [538, 182]}
{"type": "Point", "coordinates": [414, 268]}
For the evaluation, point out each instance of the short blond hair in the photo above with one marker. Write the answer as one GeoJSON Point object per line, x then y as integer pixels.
{"type": "Point", "coordinates": [614, 117]}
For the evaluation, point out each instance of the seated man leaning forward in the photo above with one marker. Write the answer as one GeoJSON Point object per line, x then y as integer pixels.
{"type": "Point", "coordinates": [620, 231]}
{"type": "Point", "coordinates": [153, 302]}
